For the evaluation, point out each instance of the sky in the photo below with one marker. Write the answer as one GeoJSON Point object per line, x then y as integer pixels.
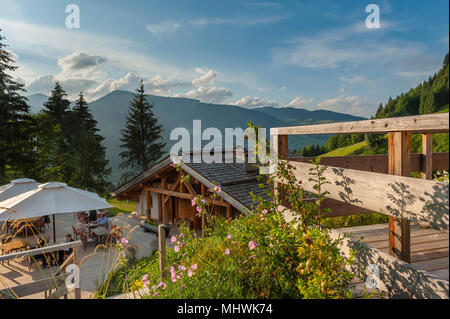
{"type": "Point", "coordinates": [314, 54]}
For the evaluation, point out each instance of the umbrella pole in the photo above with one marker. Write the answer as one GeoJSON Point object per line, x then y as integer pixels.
{"type": "Point", "coordinates": [54, 229]}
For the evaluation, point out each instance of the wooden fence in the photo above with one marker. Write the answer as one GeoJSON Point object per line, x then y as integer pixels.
{"type": "Point", "coordinates": [360, 184]}
{"type": "Point", "coordinates": [53, 287]}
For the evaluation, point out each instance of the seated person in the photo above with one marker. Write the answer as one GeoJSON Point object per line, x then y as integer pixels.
{"type": "Point", "coordinates": [102, 221]}
{"type": "Point", "coordinates": [63, 254]}
{"type": "Point", "coordinates": [40, 244]}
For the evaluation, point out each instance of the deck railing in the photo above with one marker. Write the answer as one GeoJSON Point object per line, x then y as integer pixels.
{"type": "Point", "coordinates": [360, 183]}
{"type": "Point", "coordinates": [54, 286]}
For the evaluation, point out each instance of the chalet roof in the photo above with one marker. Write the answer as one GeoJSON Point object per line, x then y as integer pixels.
{"type": "Point", "coordinates": [236, 182]}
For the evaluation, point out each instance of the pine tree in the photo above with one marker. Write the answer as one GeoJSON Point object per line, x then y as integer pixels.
{"type": "Point", "coordinates": [57, 110]}
{"type": "Point", "coordinates": [57, 106]}
{"type": "Point", "coordinates": [90, 164]}
{"type": "Point", "coordinates": [15, 121]}
{"type": "Point", "coordinates": [141, 136]}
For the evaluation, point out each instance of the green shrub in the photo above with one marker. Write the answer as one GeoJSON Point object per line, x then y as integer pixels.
{"type": "Point", "coordinates": [259, 255]}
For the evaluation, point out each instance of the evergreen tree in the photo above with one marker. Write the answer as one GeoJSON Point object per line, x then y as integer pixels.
{"type": "Point", "coordinates": [57, 106]}
{"type": "Point", "coordinates": [141, 136]}
{"type": "Point", "coordinates": [15, 121]}
{"type": "Point", "coordinates": [90, 165]}
{"type": "Point", "coordinates": [58, 113]}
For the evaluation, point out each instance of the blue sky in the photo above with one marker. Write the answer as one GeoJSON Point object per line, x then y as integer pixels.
{"type": "Point", "coordinates": [308, 54]}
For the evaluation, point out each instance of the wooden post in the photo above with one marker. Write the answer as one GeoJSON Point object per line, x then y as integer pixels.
{"type": "Point", "coordinates": [229, 215]}
{"type": "Point", "coordinates": [427, 156]}
{"type": "Point", "coordinates": [202, 191]}
{"type": "Point", "coordinates": [162, 250]}
{"type": "Point", "coordinates": [281, 148]}
{"type": "Point", "coordinates": [399, 157]}
{"type": "Point", "coordinates": [163, 202]}
{"type": "Point", "coordinates": [76, 262]}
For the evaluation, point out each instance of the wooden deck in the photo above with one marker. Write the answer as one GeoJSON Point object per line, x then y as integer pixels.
{"type": "Point", "coordinates": [94, 266]}
{"type": "Point", "coordinates": [429, 247]}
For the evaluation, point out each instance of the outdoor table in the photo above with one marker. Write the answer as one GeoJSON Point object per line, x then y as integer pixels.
{"type": "Point", "coordinates": [101, 234]}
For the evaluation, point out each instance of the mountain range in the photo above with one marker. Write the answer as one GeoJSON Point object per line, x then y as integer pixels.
{"type": "Point", "coordinates": [111, 110]}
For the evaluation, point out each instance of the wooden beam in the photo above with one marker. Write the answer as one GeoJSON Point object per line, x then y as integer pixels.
{"type": "Point", "coordinates": [38, 251]}
{"type": "Point", "coordinates": [417, 200]}
{"type": "Point", "coordinates": [427, 156]}
{"type": "Point", "coordinates": [219, 202]}
{"type": "Point", "coordinates": [33, 288]}
{"type": "Point", "coordinates": [163, 201]}
{"type": "Point", "coordinates": [429, 123]}
{"type": "Point", "coordinates": [190, 189]}
{"type": "Point", "coordinates": [229, 212]}
{"type": "Point", "coordinates": [399, 164]}
{"type": "Point", "coordinates": [76, 262]}
{"type": "Point", "coordinates": [281, 146]}
{"type": "Point", "coordinates": [377, 163]}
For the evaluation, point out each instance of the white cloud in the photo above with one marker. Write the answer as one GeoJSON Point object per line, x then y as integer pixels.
{"type": "Point", "coordinates": [80, 61]}
{"type": "Point", "coordinates": [238, 21]}
{"type": "Point", "coordinates": [253, 102]}
{"type": "Point", "coordinates": [354, 46]}
{"type": "Point", "coordinates": [299, 102]}
{"type": "Point", "coordinates": [209, 95]}
{"type": "Point", "coordinates": [354, 105]}
{"type": "Point", "coordinates": [44, 84]}
{"type": "Point", "coordinates": [357, 79]}
{"type": "Point", "coordinates": [122, 54]}
{"type": "Point", "coordinates": [165, 27]}
{"type": "Point", "coordinates": [207, 77]}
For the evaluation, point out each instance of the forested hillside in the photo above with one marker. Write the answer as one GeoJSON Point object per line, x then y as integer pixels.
{"type": "Point", "coordinates": [430, 96]}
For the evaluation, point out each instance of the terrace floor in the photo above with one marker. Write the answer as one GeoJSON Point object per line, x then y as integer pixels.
{"type": "Point", "coordinates": [429, 247]}
{"type": "Point", "coordinates": [94, 264]}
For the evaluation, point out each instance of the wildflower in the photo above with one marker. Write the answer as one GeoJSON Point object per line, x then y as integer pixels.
{"type": "Point", "coordinates": [251, 257]}
{"type": "Point", "coordinates": [124, 241]}
{"type": "Point", "coordinates": [181, 235]}
{"type": "Point", "coordinates": [176, 248]}
{"type": "Point", "coordinates": [252, 245]}
{"type": "Point", "coordinates": [190, 273]}
{"type": "Point", "coordinates": [194, 266]}
{"type": "Point", "coordinates": [227, 251]}
{"type": "Point", "coordinates": [182, 287]}
{"type": "Point", "coordinates": [182, 268]}
{"type": "Point", "coordinates": [162, 285]}
{"type": "Point", "coordinates": [146, 283]}
{"type": "Point", "coordinates": [173, 274]}
{"type": "Point", "coordinates": [203, 201]}
{"type": "Point", "coordinates": [145, 278]}
{"type": "Point", "coordinates": [173, 239]}
{"type": "Point", "coordinates": [228, 236]}
{"type": "Point", "coordinates": [193, 201]}
{"type": "Point", "coordinates": [217, 189]}
{"type": "Point", "coordinates": [264, 211]}
{"type": "Point", "coordinates": [155, 294]}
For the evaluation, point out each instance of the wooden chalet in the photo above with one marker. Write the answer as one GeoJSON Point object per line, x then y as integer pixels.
{"type": "Point", "coordinates": [164, 198]}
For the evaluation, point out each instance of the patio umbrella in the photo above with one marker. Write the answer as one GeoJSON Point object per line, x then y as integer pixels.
{"type": "Point", "coordinates": [16, 187]}
{"type": "Point", "coordinates": [50, 198]}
